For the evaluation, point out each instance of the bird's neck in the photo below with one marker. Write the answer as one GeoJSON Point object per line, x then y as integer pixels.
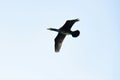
{"type": "Point", "coordinates": [53, 29]}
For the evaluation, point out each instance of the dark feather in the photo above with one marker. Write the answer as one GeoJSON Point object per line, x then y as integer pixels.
{"type": "Point", "coordinates": [63, 31]}
{"type": "Point", "coordinates": [58, 41]}
{"type": "Point", "coordinates": [68, 24]}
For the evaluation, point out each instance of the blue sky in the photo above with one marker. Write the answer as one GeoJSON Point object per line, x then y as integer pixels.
{"type": "Point", "coordinates": [27, 48]}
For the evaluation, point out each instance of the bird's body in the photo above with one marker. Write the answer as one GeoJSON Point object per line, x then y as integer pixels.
{"type": "Point", "coordinates": [63, 31]}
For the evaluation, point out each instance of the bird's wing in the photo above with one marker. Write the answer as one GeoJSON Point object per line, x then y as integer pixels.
{"type": "Point", "coordinates": [68, 24]}
{"type": "Point", "coordinates": [58, 41]}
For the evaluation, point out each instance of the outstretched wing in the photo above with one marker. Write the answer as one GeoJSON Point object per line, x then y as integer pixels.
{"type": "Point", "coordinates": [69, 24]}
{"type": "Point", "coordinates": [58, 41]}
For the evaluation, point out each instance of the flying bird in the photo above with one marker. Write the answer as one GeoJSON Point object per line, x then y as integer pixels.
{"type": "Point", "coordinates": [63, 31]}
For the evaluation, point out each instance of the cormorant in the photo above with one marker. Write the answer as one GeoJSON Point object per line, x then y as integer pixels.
{"type": "Point", "coordinates": [63, 31]}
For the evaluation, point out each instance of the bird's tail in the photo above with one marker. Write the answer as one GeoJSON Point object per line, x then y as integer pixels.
{"type": "Point", "coordinates": [75, 33]}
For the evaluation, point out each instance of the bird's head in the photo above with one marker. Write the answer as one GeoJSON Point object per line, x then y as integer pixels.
{"type": "Point", "coordinates": [53, 29]}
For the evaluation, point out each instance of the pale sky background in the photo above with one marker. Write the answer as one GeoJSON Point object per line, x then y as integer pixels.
{"type": "Point", "coordinates": [27, 48]}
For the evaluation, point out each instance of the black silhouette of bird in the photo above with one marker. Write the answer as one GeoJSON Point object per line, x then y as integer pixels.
{"type": "Point", "coordinates": [63, 31]}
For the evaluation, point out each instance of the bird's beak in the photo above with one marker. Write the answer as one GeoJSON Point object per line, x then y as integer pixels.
{"type": "Point", "coordinates": [48, 28]}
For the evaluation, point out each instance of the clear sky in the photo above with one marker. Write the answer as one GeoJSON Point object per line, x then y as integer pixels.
{"type": "Point", "coordinates": [27, 48]}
